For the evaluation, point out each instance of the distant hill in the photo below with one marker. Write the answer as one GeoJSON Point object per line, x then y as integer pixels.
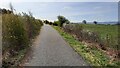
{"type": "Point", "coordinates": [99, 22]}
{"type": "Point", "coordinates": [107, 22]}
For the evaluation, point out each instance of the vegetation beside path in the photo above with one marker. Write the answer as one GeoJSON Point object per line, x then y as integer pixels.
{"type": "Point", "coordinates": [94, 56]}
{"type": "Point", "coordinates": [97, 43]}
{"type": "Point", "coordinates": [18, 30]}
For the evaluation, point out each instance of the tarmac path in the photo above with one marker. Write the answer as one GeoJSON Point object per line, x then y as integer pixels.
{"type": "Point", "coordinates": [50, 49]}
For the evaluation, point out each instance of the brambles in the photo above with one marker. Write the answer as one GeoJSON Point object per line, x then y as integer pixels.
{"type": "Point", "coordinates": [81, 33]}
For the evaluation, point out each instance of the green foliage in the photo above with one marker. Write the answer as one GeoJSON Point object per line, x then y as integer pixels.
{"type": "Point", "coordinates": [48, 22]}
{"type": "Point", "coordinates": [95, 22]}
{"type": "Point", "coordinates": [5, 11]}
{"type": "Point", "coordinates": [84, 21]}
{"type": "Point", "coordinates": [62, 20]}
{"type": "Point", "coordinates": [32, 25]}
{"type": "Point", "coordinates": [56, 23]}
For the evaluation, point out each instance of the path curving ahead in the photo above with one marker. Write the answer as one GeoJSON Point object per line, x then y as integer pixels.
{"type": "Point", "coordinates": [50, 49]}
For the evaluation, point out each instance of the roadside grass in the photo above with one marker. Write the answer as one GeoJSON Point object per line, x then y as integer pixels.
{"type": "Point", "coordinates": [93, 56]}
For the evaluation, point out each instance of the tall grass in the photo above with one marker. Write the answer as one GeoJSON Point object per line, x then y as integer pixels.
{"type": "Point", "coordinates": [17, 32]}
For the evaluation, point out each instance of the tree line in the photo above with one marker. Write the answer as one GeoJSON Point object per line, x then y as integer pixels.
{"type": "Point", "coordinates": [62, 20]}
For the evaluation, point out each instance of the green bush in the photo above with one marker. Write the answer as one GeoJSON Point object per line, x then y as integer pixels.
{"type": "Point", "coordinates": [32, 25]}
{"type": "Point", "coordinates": [62, 20]}
{"type": "Point", "coordinates": [56, 23]}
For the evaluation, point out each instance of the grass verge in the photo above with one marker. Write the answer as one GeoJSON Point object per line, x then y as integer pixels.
{"type": "Point", "coordinates": [93, 56]}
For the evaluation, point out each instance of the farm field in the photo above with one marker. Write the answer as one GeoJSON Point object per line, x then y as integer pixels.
{"type": "Point", "coordinates": [104, 30]}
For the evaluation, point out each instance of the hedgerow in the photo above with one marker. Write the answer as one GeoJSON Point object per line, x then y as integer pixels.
{"type": "Point", "coordinates": [17, 33]}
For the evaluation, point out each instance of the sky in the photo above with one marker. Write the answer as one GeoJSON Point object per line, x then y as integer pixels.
{"type": "Point", "coordinates": [74, 10]}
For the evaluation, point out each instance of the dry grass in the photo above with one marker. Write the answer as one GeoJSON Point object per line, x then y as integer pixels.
{"type": "Point", "coordinates": [17, 33]}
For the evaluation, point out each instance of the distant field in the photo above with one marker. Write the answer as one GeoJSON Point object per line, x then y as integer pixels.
{"type": "Point", "coordinates": [103, 31]}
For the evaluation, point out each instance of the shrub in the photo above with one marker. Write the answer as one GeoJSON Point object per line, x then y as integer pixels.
{"type": "Point", "coordinates": [46, 22]}
{"type": "Point", "coordinates": [17, 32]}
{"type": "Point", "coordinates": [13, 33]}
{"type": "Point", "coordinates": [95, 22]}
{"type": "Point", "coordinates": [83, 35]}
{"type": "Point", "coordinates": [32, 25]}
{"type": "Point", "coordinates": [56, 23]}
{"type": "Point", "coordinates": [84, 21]}
{"type": "Point", "coordinates": [62, 20]}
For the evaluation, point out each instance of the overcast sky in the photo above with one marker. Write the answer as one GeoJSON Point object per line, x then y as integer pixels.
{"type": "Point", "coordinates": [76, 11]}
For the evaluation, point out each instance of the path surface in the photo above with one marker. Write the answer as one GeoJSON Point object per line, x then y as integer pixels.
{"type": "Point", "coordinates": [50, 49]}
